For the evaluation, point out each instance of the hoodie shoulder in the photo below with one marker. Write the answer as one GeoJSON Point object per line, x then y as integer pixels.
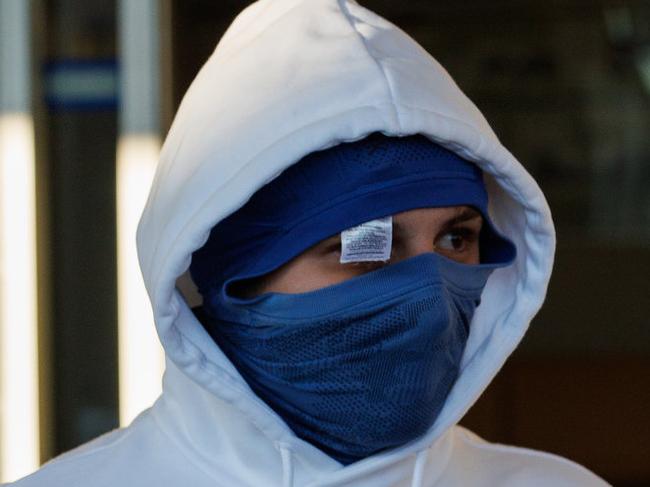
{"type": "Point", "coordinates": [82, 465]}
{"type": "Point", "coordinates": [137, 455]}
{"type": "Point", "coordinates": [478, 462]}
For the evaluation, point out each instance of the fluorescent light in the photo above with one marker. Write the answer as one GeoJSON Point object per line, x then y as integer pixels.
{"type": "Point", "coordinates": [19, 421]}
{"type": "Point", "coordinates": [141, 358]}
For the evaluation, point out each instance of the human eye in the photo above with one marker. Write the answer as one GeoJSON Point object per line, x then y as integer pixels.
{"type": "Point", "coordinates": [332, 248]}
{"type": "Point", "coordinates": [457, 240]}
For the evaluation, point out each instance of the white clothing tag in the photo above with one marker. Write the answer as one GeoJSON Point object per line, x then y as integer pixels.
{"type": "Point", "coordinates": [370, 241]}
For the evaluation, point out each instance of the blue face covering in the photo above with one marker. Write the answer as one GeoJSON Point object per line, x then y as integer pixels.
{"type": "Point", "coordinates": [359, 366]}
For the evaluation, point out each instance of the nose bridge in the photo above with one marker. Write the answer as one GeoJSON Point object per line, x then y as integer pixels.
{"type": "Point", "coordinates": [418, 244]}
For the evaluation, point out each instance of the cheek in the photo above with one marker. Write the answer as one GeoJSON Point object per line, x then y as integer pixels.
{"type": "Point", "coordinates": [475, 255]}
{"type": "Point", "coordinates": [471, 257]}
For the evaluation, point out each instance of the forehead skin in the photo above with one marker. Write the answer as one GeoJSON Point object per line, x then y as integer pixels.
{"type": "Point", "coordinates": [414, 232]}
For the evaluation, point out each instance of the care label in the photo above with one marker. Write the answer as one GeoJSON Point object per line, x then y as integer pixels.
{"type": "Point", "coordinates": [370, 241]}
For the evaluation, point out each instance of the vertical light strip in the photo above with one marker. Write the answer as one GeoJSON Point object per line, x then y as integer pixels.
{"type": "Point", "coordinates": [140, 356]}
{"type": "Point", "coordinates": [141, 359]}
{"type": "Point", "coordinates": [19, 421]}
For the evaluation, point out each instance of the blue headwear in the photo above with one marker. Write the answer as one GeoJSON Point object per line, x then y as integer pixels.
{"type": "Point", "coordinates": [334, 189]}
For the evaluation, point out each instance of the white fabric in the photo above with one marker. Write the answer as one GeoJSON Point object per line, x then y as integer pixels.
{"type": "Point", "coordinates": [290, 77]}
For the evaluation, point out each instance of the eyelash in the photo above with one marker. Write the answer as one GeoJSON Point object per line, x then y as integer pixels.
{"type": "Point", "coordinates": [468, 234]}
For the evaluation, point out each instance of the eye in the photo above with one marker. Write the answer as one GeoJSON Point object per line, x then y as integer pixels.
{"type": "Point", "coordinates": [333, 248]}
{"type": "Point", "coordinates": [457, 240]}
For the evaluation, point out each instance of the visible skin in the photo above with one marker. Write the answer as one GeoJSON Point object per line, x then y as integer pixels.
{"type": "Point", "coordinates": [414, 232]}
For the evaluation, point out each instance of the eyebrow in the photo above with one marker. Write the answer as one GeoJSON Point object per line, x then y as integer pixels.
{"type": "Point", "coordinates": [466, 214]}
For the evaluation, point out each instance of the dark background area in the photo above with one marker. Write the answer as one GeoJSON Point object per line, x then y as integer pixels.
{"type": "Point", "coordinates": [566, 87]}
{"type": "Point", "coordinates": [77, 147]}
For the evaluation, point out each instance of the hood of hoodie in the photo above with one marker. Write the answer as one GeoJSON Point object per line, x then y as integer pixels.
{"type": "Point", "coordinates": [287, 78]}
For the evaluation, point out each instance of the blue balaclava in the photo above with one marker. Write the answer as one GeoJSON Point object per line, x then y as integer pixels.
{"type": "Point", "coordinates": [366, 364]}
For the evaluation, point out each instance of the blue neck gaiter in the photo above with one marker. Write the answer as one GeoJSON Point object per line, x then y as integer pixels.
{"type": "Point", "coordinates": [360, 366]}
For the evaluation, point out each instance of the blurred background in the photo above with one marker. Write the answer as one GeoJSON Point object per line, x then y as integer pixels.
{"type": "Point", "coordinates": [88, 89]}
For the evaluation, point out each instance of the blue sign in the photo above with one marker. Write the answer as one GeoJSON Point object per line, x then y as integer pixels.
{"type": "Point", "coordinates": [79, 84]}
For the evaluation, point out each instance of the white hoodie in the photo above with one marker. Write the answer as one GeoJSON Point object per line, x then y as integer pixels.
{"type": "Point", "coordinates": [290, 77]}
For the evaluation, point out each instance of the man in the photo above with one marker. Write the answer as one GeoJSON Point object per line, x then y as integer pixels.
{"type": "Point", "coordinates": [356, 338]}
{"type": "Point", "coordinates": [368, 255]}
